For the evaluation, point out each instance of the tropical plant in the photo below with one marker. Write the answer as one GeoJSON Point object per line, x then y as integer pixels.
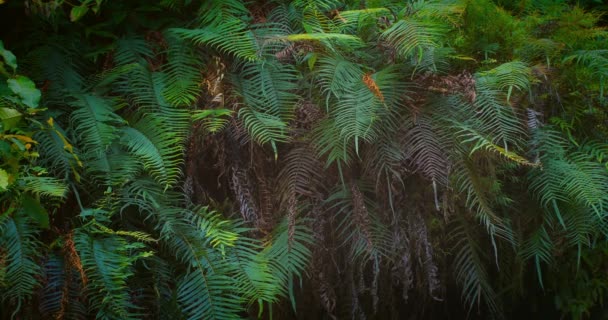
{"type": "Point", "coordinates": [314, 159]}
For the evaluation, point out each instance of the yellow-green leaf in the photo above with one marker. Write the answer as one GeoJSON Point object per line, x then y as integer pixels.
{"type": "Point", "coordinates": [3, 180]}
{"type": "Point", "coordinates": [78, 12]}
{"type": "Point", "coordinates": [9, 117]}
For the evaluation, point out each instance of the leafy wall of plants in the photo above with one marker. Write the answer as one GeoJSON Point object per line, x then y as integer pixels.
{"type": "Point", "coordinates": [312, 159]}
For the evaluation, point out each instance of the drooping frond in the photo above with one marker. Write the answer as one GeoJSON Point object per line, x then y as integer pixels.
{"type": "Point", "coordinates": [288, 258]}
{"type": "Point", "coordinates": [44, 186]}
{"type": "Point", "coordinates": [425, 151]}
{"type": "Point", "coordinates": [478, 192]}
{"type": "Point", "coordinates": [564, 178]}
{"type": "Point", "coordinates": [182, 71]}
{"type": "Point", "coordinates": [268, 92]}
{"type": "Point", "coordinates": [470, 270]}
{"type": "Point", "coordinates": [96, 126]}
{"type": "Point", "coordinates": [157, 146]}
{"type": "Point", "coordinates": [510, 75]}
{"type": "Point", "coordinates": [108, 263]}
{"type": "Point", "coordinates": [203, 294]}
{"type": "Point", "coordinates": [20, 270]}
{"type": "Point", "coordinates": [222, 28]}
{"type": "Point", "coordinates": [411, 37]}
{"type": "Point", "coordinates": [539, 247]}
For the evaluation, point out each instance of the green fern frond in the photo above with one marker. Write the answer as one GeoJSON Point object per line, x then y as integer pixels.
{"type": "Point", "coordinates": [479, 200]}
{"type": "Point", "coordinates": [52, 297]}
{"type": "Point", "coordinates": [288, 254]}
{"type": "Point", "coordinates": [182, 70]}
{"type": "Point", "coordinates": [57, 154]}
{"type": "Point", "coordinates": [470, 270]}
{"type": "Point", "coordinates": [411, 37]}
{"type": "Point", "coordinates": [515, 74]}
{"type": "Point", "coordinates": [157, 146]}
{"type": "Point", "coordinates": [18, 238]}
{"type": "Point", "coordinates": [96, 126]}
{"type": "Point", "coordinates": [229, 37]}
{"type": "Point", "coordinates": [335, 74]}
{"type": "Point", "coordinates": [268, 92]}
{"type": "Point", "coordinates": [568, 177]}
{"type": "Point", "coordinates": [204, 294]}
{"type": "Point", "coordinates": [44, 186]}
{"type": "Point", "coordinates": [108, 263]}
{"type": "Point", "coordinates": [539, 246]}
{"type": "Point", "coordinates": [214, 120]}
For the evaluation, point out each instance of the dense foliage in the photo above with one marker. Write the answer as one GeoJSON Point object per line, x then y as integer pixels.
{"type": "Point", "coordinates": [176, 159]}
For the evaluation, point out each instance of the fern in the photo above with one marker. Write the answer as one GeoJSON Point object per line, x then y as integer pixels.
{"type": "Point", "coordinates": [411, 36]}
{"type": "Point", "coordinates": [182, 74]}
{"type": "Point", "coordinates": [241, 43]}
{"type": "Point", "coordinates": [21, 270]}
{"type": "Point", "coordinates": [107, 261]}
{"type": "Point", "coordinates": [160, 150]}
{"type": "Point", "coordinates": [268, 93]}
{"type": "Point", "coordinates": [470, 270]}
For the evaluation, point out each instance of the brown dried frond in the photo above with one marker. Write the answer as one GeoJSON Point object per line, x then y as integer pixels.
{"type": "Point", "coordinates": [374, 287]}
{"type": "Point", "coordinates": [402, 272]}
{"type": "Point", "coordinates": [373, 87]}
{"type": "Point", "coordinates": [301, 174]}
{"type": "Point", "coordinates": [424, 251]}
{"type": "Point", "coordinates": [237, 132]}
{"type": "Point", "coordinates": [307, 115]}
{"type": "Point", "coordinates": [463, 83]}
{"type": "Point", "coordinates": [292, 212]}
{"type": "Point", "coordinates": [264, 221]}
{"type": "Point", "coordinates": [243, 192]}
{"type": "Point", "coordinates": [361, 215]}
{"type": "Point", "coordinates": [286, 54]}
{"type": "Point", "coordinates": [214, 77]}
{"type": "Point", "coordinates": [73, 258]}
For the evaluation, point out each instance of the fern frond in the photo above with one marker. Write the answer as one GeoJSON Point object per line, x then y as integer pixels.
{"type": "Point", "coordinates": [203, 294]}
{"type": "Point", "coordinates": [425, 151]}
{"type": "Point", "coordinates": [479, 200]}
{"type": "Point", "coordinates": [108, 264]}
{"type": "Point", "coordinates": [53, 293]}
{"type": "Point", "coordinates": [182, 71]}
{"type": "Point", "coordinates": [470, 270]}
{"type": "Point", "coordinates": [411, 37]}
{"type": "Point", "coordinates": [568, 177]}
{"type": "Point", "coordinates": [268, 92]}
{"type": "Point", "coordinates": [515, 74]}
{"type": "Point", "coordinates": [539, 246]}
{"type": "Point", "coordinates": [157, 146]}
{"type": "Point", "coordinates": [44, 186]}
{"type": "Point", "coordinates": [230, 36]}
{"type": "Point", "coordinates": [96, 126]}
{"type": "Point", "coordinates": [18, 238]}
{"type": "Point", "coordinates": [335, 75]}
{"type": "Point", "coordinates": [288, 258]}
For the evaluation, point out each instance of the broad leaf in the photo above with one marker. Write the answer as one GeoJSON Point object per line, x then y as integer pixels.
{"type": "Point", "coordinates": [26, 90]}
{"type": "Point", "coordinates": [34, 210]}
{"type": "Point", "coordinates": [9, 57]}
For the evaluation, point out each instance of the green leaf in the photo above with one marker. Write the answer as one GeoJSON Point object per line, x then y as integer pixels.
{"type": "Point", "coordinates": [9, 57]}
{"type": "Point", "coordinates": [34, 209]}
{"type": "Point", "coordinates": [9, 117]}
{"type": "Point", "coordinates": [312, 59]}
{"type": "Point", "coordinates": [3, 180]}
{"type": "Point", "coordinates": [26, 90]}
{"type": "Point", "coordinates": [78, 12]}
